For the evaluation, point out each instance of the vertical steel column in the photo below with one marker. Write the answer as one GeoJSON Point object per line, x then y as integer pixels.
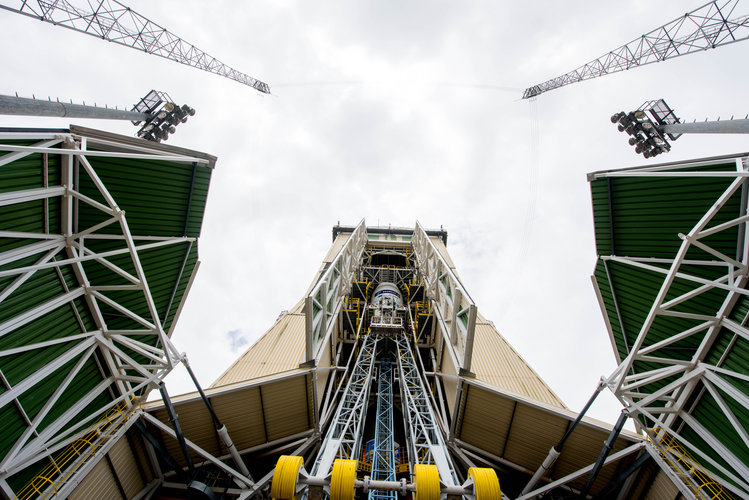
{"type": "Point", "coordinates": [425, 442]}
{"type": "Point", "coordinates": [383, 459]}
{"type": "Point", "coordinates": [343, 439]}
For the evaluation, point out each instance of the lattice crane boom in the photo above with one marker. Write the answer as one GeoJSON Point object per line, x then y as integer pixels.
{"type": "Point", "coordinates": [707, 27]}
{"type": "Point", "coordinates": [115, 22]}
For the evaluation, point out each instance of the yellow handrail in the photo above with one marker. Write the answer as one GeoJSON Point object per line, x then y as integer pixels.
{"type": "Point", "coordinates": [683, 463]}
{"type": "Point", "coordinates": [78, 452]}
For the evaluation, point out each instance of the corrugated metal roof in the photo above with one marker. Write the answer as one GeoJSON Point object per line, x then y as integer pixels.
{"type": "Point", "coordinates": [522, 430]}
{"type": "Point", "coordinates": [497, 363]}
{"type": "Point", "coordinates": [254, 412]}
{"type": "Point", "coordinates": [281, 348]}
{"type": "Point", "coordinates": [51, 307]}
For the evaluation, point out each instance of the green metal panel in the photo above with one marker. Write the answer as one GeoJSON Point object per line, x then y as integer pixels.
{"type": "Point", "coordinates": [160, 198]}
{"type": "Point", "coordinates": [642, 217]}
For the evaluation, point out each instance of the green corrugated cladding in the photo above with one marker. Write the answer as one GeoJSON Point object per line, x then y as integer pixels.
{"type": "Point", "coordinates": [642, 217]}
{"type": "Point", "coordinates": [155, 196]}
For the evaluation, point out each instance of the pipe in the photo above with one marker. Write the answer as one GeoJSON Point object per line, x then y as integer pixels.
{"type": "Point", "coordinates": [220, 428]}
{"type": "Point", "coordinates": [10, 105]}
{"type": "Point", "coordinates": [713, 127]}
{"type": "Point", "coordinates": [556, 450]}
{"type": "Point", "coordinates": [158, 447]}
{"type": "Point", "coordinates": [620, 478]}
{"type": "Point", "coordinates": [175, 423]}
{"type": "Point", "coordinates": [607, 447]}
{"type": "Point", "coordinates": [224, 433]}
{"type": "Point", "coordinates": [542, 470]}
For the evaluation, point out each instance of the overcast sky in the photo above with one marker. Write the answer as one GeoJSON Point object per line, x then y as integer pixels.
{"type": "Point", "coordinates": [393, 112]}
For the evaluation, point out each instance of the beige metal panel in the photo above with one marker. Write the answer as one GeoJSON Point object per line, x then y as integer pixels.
{"type": "Point", "coordinates": [443, 252]}
{"type": "Point", "coordinates": [486, 419]}
{"type": "Point", "coordinates": [335, 248]}
{"type": "Point", "coordinates": [283, 408]}
{"type": "Point", "coordinates": [534, 431]}
{"type": "Point", "coordinates": [242, 414]}
{"type": "Point", "coordinates": [662, 488]}
{"type": "Point", "coordinates": [98, 484]}
{"type": "Point", "coordinates": [333, 251]}
{"type": "Point", "coordinates": [281, 348]}
{"type": "Point", "coordinates": [286, 407]}
{"type": "Point", "coordinates": [321, 374]}
{"type": "Point", "coordinates": [450, 382]}
{"type": "Point", "coordinates": [125, 467]}
{"type": "Point", "coordinates": [497, 363]}
{"type": "Point", "coordinates": [196, 424]}
{"type": "Point", "coordinates": [141, 455]}
{"type": "Point", "coordinates": [522, 431]}
{"type": "Point", "coordinates": [584, 446]}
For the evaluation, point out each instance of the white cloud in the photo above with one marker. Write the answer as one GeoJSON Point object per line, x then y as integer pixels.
{"type": "Point", "coordinates": [399, 142]}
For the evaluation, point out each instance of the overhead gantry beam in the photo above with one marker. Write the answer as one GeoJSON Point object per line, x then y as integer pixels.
{"type": "Point", "coordinates": [707, 27]}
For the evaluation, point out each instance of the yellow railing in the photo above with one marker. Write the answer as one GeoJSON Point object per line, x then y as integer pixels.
{"type": "Point", "coordinates": [691, 472]}
{"type": "Point", "coordinates": [77, 453]}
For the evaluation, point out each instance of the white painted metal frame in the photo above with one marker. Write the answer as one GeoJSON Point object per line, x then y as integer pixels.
{"type": "Point", "coordinates": [665, 407]}
{"type": "Point", "coordinates": [454, 308]}
{"type": "Point", "coordinates": [323, 303]}
{"type": "Point", "coordinates": [108, 343]}
{"type": "Point", "coordinates": [343, 438]}
{"type": "Point", "coordinates": [425, 441]}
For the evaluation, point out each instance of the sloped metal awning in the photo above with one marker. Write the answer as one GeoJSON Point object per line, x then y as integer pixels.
{"type": "Point", "coordinates": [517, 433]}
{"type": "Point", "coordinates": [260, 413]}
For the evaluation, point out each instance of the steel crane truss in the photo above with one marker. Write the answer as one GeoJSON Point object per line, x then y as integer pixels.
{"type": "Point", "coordinates": [704, 28]}
{"type": "Point", "coordinates": [112, 21]}
{"type": "Point", "coordinates": [134, 358]}
{"type": "Point", "coordinates": [453, 307]}
{"type": "Point", "coordinates": [659, 388]}
{"type": "Point", "coordinates": [323, 303]}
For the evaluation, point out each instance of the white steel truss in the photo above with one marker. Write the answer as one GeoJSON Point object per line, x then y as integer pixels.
{"type": "Point", "coordinates": [454, 308]}
{"type": "Point", "coordinates": [324, 301]}
{"type": "Point", "coordinates": [425, 442]}
{"type": "Point", "coordinates": [679, 380]}
{"type": "Point", "coordinates": [707, 27]}
{"type": "Point", "coordinates": [123, 378]}
{"type": "Point", "coordinates": [343, 439]}
{"type": "Point", "coordinates": [110, 20]}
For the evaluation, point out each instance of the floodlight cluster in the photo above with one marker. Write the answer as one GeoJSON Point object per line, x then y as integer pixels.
{"type": "Point", "coordinates": [644, 134]}
{"type": "Point", "coordinates": [164, 122]}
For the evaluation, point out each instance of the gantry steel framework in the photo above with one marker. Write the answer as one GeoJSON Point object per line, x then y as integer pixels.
{"type": "Point", "coordinates": [383, 454]}
{"type": "Point", "coordinates": [707, 27]}
{"type": "Point", "coordinates": [112, 21]}
{"type": "Point", "coordinates": [671, 371]}
{"type": "Point", "coordinates": [344, 437]}
{"type": "Point", "coordinates": [117, 323]}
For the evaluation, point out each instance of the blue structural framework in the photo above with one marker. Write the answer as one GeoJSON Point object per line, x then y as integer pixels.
{"type": "Point", "coordinates": [383, 461]}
